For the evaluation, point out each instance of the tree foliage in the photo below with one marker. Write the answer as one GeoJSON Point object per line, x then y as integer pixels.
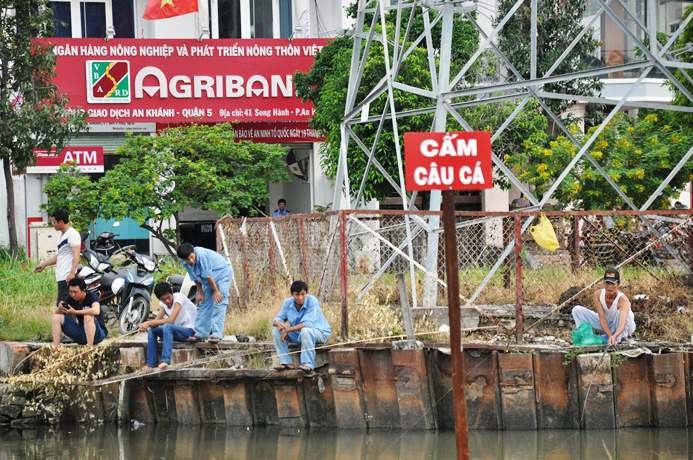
{"type": "Point", "coordinates": [558, 22]}
{"type": "Point", "coordinates": [33, 114]}
{"type": "Point", "coordinates": [325, 85]}
{"type": "Point", "coordinates": [636, 152]}
{"type": "Point", "coordinates": [199, 166]}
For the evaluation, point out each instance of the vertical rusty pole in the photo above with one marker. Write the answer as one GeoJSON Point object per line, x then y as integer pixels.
{"type": "Point", "coordinates": [343, 274]}
{"type": "Point", "coordinates": [270, 255]}
{"type": "Point", "coordinates": [459, 404]}
{"type": "Point", "coordinates": [302, 248]}
{"type": "Point", "coordinates": [519, 292]}
{"type": "Point", "coordinates": [245, 268]}
{"type": "Point", "coordinates": [575, 255]}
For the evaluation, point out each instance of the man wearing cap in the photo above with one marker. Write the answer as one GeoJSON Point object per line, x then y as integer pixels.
{"type": "Point", "coordinates": [613, 314]}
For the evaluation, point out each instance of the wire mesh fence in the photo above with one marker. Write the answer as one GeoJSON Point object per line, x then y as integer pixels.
{"type": "Point", "coordinates": [353, 256]}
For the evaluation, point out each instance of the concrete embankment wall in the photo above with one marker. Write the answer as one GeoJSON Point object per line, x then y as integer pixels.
{"type": "Point", "coordinates": [411, 389]}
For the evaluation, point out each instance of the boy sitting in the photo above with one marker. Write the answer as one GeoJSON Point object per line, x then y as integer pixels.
{"type": "Point", "coordinates": [174, 322]}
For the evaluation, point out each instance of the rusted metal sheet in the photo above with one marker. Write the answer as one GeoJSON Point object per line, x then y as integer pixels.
{"type": "Point", "coordinates": [319, 400]}
{"type": "Point", "coordinates": [556, 392]}
{"type": "Point", "coordinates": [237, 404]}
{"type": "Point", "coordinates": [290, 407]}
{"type": "Point", "coordinates": [141, 404]}
{"type": "Point", "coordinates": [164, 401]}
{"type": "Point", "coordinates": [481, 389]}
{"type": "Point", "coordinates": [595, 387]}
{"type": "Point", "coordinates": [413, 395]}
{"type": "Point", "coordinates": [345, 376]}
{"type": "Point", "coordinates": [187, 407]}
{"type": "Point", "coordinates": [516, 379]}
{"type": "Point", "coordinates": [379, 391]}
{"type": "Point", "coordinates": [669, 390]}
{"type": "Point", "coordinates": [439, 367]}
{"type": "Point", "coordinates": [263, 403]}
{"type": "Point", "coordinates": [212, 404]}
{"type": "Point", "coordinates": [109, 398]}
{"type": "Point", "coordinates": [184, 355]}
{"type": "Point", "coordinates": [633, 398]}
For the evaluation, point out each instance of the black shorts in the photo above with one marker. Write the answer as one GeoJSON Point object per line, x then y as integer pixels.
{"type": "Point", "coordinates": [62, 292]}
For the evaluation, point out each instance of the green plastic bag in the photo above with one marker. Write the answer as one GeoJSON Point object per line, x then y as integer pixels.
{"type": "Point", "coordinates": [584, 336]}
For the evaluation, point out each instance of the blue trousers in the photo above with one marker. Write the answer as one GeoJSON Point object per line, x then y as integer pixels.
{"type": "Point", "coordinates": [307, 337]}
{"type": "Point", "coordinates": [585, 315]}
{"type": "Point", "coordinates": [168, 333]}
{"type": "Point", "coordinates": [210, 315]}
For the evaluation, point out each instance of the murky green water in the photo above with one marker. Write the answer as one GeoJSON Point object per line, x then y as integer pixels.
{"type": "Point", "coordinates": [186, 442]}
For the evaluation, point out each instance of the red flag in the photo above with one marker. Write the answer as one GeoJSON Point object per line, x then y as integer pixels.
{"type": "Point", "coordinates": [162, 9]}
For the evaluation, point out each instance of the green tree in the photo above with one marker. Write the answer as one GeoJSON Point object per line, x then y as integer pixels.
{"type": "Point", "coordinates": [76, 192]}
{"type": "Point", "coordinates": [199, 166]}
{"type": "Point", "coordinates": [558, 22]}
{"type": "Point", "coordinates": [325, 85]}
{"type": "Point", "coordinates": [33, 113]}
{"type": "Point", "coordinates": [636, 152]}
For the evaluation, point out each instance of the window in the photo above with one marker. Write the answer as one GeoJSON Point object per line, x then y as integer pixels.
{"type": "Point", "coordinates": [286, 20]}
{"type": "Point", "coordinates": [123, 18]}
{"type": "Point", "coordinates": [261, 19]}
{"type": "Point", "coordinates": [229, 18]}
{"type": "Point", "coordinates": [62, 24]}
{"type": "Point", "coordinates": [93, 19]}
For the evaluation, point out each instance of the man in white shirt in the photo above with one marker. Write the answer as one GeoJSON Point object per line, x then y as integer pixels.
{"type": "Point", "coordinates": [66, 257]}
{"type": "Point", "coordinates": [174, 322]}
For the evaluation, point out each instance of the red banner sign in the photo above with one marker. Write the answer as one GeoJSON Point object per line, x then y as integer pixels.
{"type": "Point", "coordinates": [448, 161]}
{"type": "Point", "coordinates": [87, 159]}
{"type": "Point", "coordinates": [184, 81]}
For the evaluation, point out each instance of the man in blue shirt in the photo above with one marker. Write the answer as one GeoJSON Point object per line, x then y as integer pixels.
{"type": "Point", "coordinates": [213, 276]}
{"type": "Point", "coordinates": [281, 210]}
{"type": "Point", "coordinates": [300, 320]}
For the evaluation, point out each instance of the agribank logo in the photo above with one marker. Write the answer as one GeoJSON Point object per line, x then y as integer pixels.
{"type": "Point", "coordinates": [108, 82]}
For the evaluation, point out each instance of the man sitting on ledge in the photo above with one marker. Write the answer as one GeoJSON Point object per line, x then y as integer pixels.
{"type": "Point", "coordinates": [300, 320]}
{"type": "Point", "coordinates": [79, 316]}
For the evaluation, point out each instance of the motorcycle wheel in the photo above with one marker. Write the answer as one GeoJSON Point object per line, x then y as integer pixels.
{"type": "Point", "coordinates": [133, 314]}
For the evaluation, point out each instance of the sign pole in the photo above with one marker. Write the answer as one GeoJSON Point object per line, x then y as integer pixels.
{"type": "Point", "coordinates": [459, 403]}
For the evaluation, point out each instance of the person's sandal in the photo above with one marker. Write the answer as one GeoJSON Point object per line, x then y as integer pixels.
{"type": "Point", "coordinates": [163, 365]}
{"type": "Point", "coordinates": [283, 367]}
{"type": "Point", "coordinates": [306, 369]}
{"type": "Point", "coordinates": [214, 340]}
{"type": "Point", "coordinates": [194, 339]}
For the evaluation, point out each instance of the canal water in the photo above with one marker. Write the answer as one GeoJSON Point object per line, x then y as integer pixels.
{"type": "Point", "coordinates": [196, 442]}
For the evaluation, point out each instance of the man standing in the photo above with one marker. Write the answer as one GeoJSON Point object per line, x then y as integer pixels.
{"type": "Point", "coordinates": [613, 314]}
{"type": "Point", "coordinates": [300, 320]}
{"type": "Point", "coordinates": [213, 275]}
{"type": "Point", "coordinates": [79, 317]}
{"type": "Point", "coordinates": [66, 257]}
{"type": "Point", "coordinates": [175, 321]}
{"type": "Point", "coordinates": [281, 210]}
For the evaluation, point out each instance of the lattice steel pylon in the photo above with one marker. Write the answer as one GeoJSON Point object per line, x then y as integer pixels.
{"type": "Point", "coordinates": [448, 95]}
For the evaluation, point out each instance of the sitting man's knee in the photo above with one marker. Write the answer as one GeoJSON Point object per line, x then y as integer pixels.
{"type": "Point", "coordinates": [276, 332]}
{"type": "Point", "coordinates": [305, 333]}
{"type": "Point", "coordinates": [88, 319]}
{"type": "Point", "coordinates": [58, 318]}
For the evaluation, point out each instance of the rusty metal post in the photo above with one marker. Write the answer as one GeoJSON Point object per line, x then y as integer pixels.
{"type": "Point", "coordinates": [575, 253]}
{"type": "Point", "coordinates": [245, 267]}
{"type": "Point", "coordinates": [343, 273]}
{"type": "Point", "coordinates": [519, 292]}
{"type": "Point", "coordinates": [271, 255]}
{"type": "Point", "coordinates": [302, 248]}
{"type": "Point", "coordinates": [451, 266]}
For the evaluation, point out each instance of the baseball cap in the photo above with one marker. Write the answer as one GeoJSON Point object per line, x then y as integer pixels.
{"type": "Point", "coordinates": [611, 275]}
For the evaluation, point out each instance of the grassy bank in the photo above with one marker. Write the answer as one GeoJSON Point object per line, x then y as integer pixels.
{"type": "Point", "coordinates": [27, 299]}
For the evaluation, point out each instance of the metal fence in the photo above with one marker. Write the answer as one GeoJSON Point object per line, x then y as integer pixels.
{"type": "Point", "coordinates": [346, 256]}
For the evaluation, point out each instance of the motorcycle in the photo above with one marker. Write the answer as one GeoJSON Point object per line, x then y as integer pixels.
{"type": "Point", "coordinates": [183, 283]}
{"type": "Point", "coordinates": [105, 243]}
{"type": "Point", "coordinates": [124, 292]}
